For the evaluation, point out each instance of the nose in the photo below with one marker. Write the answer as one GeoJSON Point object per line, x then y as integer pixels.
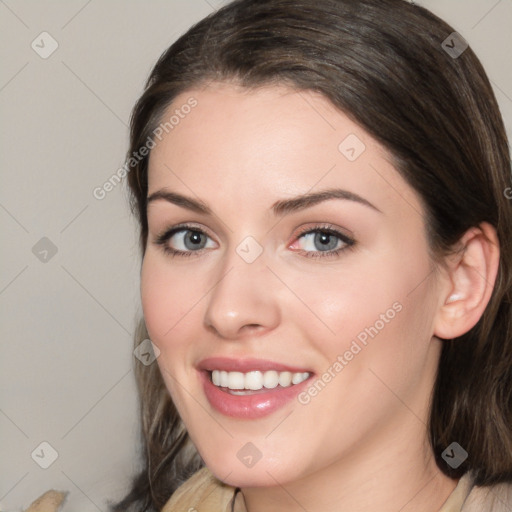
{"type": "Point", "coordinates": [244, 300]}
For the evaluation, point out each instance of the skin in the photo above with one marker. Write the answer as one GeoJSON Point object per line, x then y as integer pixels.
{"type": "Point", "coordinates": [361, 443]}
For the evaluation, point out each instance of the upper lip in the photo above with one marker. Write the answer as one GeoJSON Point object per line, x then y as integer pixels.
{"type": "Point", "coordinates": [246, 365]}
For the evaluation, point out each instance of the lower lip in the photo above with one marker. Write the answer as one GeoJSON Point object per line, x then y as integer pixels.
{"type": "Point", "coordinates": [249, 406]}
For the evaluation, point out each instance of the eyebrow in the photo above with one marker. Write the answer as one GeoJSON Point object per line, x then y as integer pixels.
{"type": "Point", "coordinates": [279, 208]}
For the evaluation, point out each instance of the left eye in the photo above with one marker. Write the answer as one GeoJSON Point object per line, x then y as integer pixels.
{"type": "Point", "coordinates": [322, 240]}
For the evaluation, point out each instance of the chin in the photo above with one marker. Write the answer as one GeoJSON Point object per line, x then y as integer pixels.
{"type": "Point", "coordinates": [247, 478]}
{"type": "Point", "coordinates": [262, 473]}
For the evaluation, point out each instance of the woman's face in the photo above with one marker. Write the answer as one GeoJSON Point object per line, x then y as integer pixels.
{"type": "Point", "coordinates": [302, 276]}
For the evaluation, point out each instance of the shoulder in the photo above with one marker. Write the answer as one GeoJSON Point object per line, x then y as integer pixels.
{"type": "Point", "coordinates": [493, 498]}
{"type": "Point", "coordinates": [202, 491]}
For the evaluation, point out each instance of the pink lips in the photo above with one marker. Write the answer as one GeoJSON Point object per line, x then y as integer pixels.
{"type": "Point", "coordinates": [245, 365]}
{"type": "Point", "coordinates": [252, 406]}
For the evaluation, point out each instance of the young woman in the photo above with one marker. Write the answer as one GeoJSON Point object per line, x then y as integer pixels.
{"type": "Point", "coordinates": [326, 277]}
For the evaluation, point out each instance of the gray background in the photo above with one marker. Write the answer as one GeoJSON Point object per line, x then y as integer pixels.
{"type": "Point", "coordinates": [68, 318]}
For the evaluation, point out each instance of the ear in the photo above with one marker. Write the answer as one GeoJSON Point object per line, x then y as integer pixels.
{"type": "Point", "coordinates": [468, 283]}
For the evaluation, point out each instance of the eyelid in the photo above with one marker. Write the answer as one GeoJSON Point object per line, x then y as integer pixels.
{"type": "Point", "coordinates": [168, 232]}
{"type": "Point", "coordinates": [325, 226]}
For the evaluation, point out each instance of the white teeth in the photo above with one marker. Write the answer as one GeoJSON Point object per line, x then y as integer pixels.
{"type": "Point", "coordinates": [297, 378]}
{"type": "Point", "coordinates": [285, 379]}
{"type": "Point", "coordinates": [253, 380]}
{"type": "Point", "coordinates": [270, 379]}
{"type": "Point", "coordinates": [236, 380]}
{"type": "Point", "coordinates": [256, 380]}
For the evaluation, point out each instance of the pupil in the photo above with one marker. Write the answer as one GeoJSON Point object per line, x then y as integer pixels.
{"type": "Point", "coordinates": [325, 241]}
{"type": "Point", "coordinates": [193, 239]}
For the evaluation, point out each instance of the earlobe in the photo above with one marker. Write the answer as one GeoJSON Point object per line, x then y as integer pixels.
{"type": "Point", "coordinates": [470, 281]}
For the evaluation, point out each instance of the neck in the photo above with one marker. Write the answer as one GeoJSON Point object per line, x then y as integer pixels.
{"type": "Point", "coordinates": [398, 475]}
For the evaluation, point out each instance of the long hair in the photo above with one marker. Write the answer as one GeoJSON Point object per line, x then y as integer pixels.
{"type": "Point", "coordinates": [402, 74]}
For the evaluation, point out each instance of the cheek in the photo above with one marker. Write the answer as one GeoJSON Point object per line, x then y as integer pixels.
{"type": "Point", "coordinates": [386, 300]}
{"type": "Point", "coordinates": [381, 318]}
{"type": "Point", "coordinates": [168, 299]}
{"type": "Point", "coordinates": [167, 305]}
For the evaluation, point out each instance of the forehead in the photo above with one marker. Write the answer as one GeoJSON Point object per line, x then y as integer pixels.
{"type": "Point", "coordinates": [269, 143]}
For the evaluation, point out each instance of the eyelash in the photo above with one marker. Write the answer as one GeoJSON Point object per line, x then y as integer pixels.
{"type": "Point", "coordinates": [162, 239]}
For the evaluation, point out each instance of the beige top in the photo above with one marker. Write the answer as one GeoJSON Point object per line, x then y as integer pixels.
{"type": "Point", "coordinates": [204, 493]}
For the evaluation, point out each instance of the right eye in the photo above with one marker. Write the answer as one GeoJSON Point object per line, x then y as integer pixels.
{"type": "Point", "coordinates": [183, 241]}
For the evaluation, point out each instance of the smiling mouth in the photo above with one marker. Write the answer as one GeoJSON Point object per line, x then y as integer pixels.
{"type": "Point", "coordinates": [254, 382]}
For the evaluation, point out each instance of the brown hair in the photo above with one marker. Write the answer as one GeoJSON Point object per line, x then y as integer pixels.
{"type": "Point", "coordinates": [383, 64]}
